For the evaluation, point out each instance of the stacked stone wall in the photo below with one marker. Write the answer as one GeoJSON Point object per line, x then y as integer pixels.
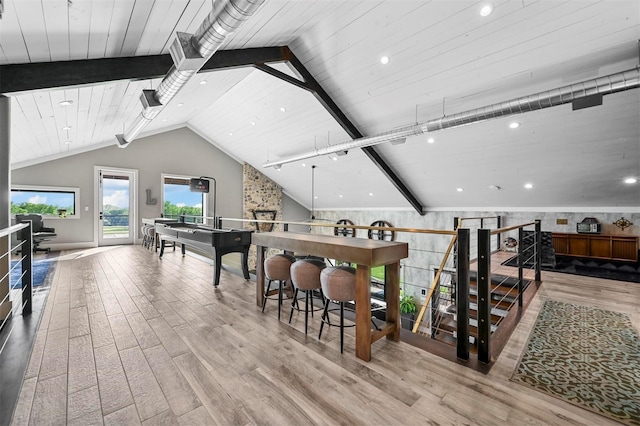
{"type": "Point", "coordinates": [260, 194]}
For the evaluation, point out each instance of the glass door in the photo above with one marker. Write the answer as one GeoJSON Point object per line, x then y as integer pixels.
{"type": "Point", "coordinates": [115, 211]}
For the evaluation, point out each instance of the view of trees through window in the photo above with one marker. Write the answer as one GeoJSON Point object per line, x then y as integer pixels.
{"type": "Point", "coordinates": [44, 202]}
{"type": "Point", "coordinates": [178, 199]}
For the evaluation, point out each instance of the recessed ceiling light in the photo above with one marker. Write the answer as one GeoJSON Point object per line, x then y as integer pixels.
{"type": "Point", "coordinates": [253, 123]}
{"type": "Point", "coordinates": [459, 189]}
{"type": "Point", "coordinates": [283, 109]}
{"type": "Point", "coordinates": [230, 134]}
{"type": "Point", "coordinates": [486, 10]}
{"type": "Point", "coordinates": [180, 104]}
{"type": "Point", "coordinates": [384, 60]}
{"type": "Point", "coordinates": [630, 180]}
{"type": "Point", "coordinates": [65, 102]}
{"type": "Point", "coordinates": [67, 142]}
{"type": "Point", "coordinates": [528, 185]}
{"type": "Point", "coordinates": [340, 195]}
{"type": "Point", "coordinates": [514, 125]}
{"type": "Point", "coordinates": [304, 165]}
{"type": "Point", "coordinates": [164, 119]}
{"type": "Point", "coordinates": [203, 82]}
{"type": "Point", "coordinates": [66, 128]}
{"type": "Point", "coordinates": [315, 197]}
{"type": "Point", "coordinates": [494, 187]}
{"type": "Point", "coordinates": [431, 140]}
{"type": "Point", "coordinates": [371, 194]}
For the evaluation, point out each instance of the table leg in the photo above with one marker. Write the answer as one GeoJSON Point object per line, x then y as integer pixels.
{"type": "Point", "coordinates": [392, 293]}
{"type": "Point", "coordinates": [260, 274]}
{"type": "Point", "coordinates": [245, 263]}
{"type": "Point", "coordinates": [218, 266]}
{"type": "Point", "coordinates": [363, 312]}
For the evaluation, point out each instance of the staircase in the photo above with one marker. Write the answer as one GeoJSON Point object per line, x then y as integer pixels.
{"type": "Point", "coordinates": [504, 295]}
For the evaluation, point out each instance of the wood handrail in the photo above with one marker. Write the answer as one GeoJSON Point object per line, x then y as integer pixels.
{"type": "Point", "coordinates": [335, 225]}
{"type": "Point", "coordinates": [423, 309]}
{"type": "Point", "coordinates": [511, 228]}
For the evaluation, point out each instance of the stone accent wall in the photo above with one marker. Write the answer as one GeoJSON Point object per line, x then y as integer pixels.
{"type": "Point", "coordinates": [260, 193]}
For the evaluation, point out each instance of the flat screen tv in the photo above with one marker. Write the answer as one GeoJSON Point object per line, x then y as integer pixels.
{"type": "Point", "coordinates": [199, 185]}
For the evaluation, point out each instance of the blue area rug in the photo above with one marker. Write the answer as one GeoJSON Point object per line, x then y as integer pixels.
{"type": "Point", "coordinates": [40, 271]}
{"type": "Point", "coordinates": [586, 356]}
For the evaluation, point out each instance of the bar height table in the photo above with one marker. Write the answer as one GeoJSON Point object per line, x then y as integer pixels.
{"type": "Point", "coordinates": [365, 254]}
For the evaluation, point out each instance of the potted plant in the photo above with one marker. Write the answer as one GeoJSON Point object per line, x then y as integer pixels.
{"type": "Point", "coordinates": [407, 310]}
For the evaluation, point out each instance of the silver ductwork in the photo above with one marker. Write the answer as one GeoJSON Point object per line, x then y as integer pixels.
{"type": "Point", "coordinates": [613, 83]}
{"type": "Point", "coordinates": [190, 53]}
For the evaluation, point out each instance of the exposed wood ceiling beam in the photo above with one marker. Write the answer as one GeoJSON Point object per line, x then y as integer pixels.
{"type": "Point", "coordinates": [15, 78]}
{"type": "Point", "coordinates": [325, 100]}
{"type": "Point", "coordinates": [49, 75]}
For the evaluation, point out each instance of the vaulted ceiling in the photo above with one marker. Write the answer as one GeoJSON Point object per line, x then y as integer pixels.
{"type": "Point", "coordinates": [444, 58]}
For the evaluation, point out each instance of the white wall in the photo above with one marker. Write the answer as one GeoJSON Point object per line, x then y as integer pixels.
{"type": "Point", "coordinates": [180, 152]}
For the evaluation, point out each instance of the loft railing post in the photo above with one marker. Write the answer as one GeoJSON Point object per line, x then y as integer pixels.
{"type": "Point", "coordinates": [538, 249]}
{"type": "Point", "coordinates": [498, 235]}
{"type": "Point", "coordinates": [520, 263]}
{"type": "Point", "coordinates": [27, 265]}
{"type": "Point", "coordinates": [455, 223]}
{"type": "Point", "coordinates": [286, 227]}
{"type": "Point", "coordinates": [484, 295]}
{"type": "Point", "coordinates": [462, 292]}
{"type": "Point", "coordinates": [217, 222]}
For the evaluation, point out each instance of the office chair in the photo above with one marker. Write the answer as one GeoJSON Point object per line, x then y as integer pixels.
{"type": "Point", "coordinates": [39, 232]}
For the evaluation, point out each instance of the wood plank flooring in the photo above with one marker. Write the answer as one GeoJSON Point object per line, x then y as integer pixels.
{"type": "Point", "coordinates": [127, 338]}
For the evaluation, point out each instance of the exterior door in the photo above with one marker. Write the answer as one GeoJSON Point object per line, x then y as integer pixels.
{"type": "Point", "coordinates": [116, 201]}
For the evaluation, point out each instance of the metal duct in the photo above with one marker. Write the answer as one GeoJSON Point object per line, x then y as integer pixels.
{"type": "Point", "coordinates": [613, 83]}
{"type": "Point", "coordinates": [191, 53]}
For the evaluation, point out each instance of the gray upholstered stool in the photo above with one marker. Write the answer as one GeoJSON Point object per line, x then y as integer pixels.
{"type": "Point", "coordinates": [305, 276]}
{"type": "Point", "coordinates": [277, 268]}
{"type": "Point", "coordinates": [338, 285]}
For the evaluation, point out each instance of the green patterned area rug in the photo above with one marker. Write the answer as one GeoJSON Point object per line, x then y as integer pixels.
{"type": "Point", "coordinates": [586, 356]}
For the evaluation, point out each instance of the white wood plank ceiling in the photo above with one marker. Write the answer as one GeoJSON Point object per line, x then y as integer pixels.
{"type": "Point", "coordinates": [444, 58]}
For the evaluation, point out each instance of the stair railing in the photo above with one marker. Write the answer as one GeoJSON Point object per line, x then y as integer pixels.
{"type": "Point", "coordinates": [484, 282]}
{"type": "Point", "coordinates": [430, 294]}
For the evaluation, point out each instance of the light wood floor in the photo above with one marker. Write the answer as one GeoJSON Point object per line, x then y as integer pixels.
{"type": "Point", "coordinates": [129, 339]}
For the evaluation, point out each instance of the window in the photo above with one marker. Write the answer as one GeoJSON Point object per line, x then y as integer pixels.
{"type": "Point", "coordinates": [50, 202]}
{"type": "Point", "coordinates": [178, 199]}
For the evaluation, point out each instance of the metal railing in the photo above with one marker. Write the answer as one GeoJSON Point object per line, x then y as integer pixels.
{"type": "Point", "coordinates": [21, 300]}
{"type": "Point", "coordinates": [456, 260]}
{"type": "Point", "coordinates": [486, 291]}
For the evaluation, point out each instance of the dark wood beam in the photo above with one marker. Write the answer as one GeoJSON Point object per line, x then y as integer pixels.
{"type": "Point", "coordinates": [15, 78]}
{"type": "Point", "coordinates": [323, 97]}
{"type": "Point", "coordinates": [48, 75]}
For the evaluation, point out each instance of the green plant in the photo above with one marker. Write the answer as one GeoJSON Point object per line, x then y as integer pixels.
{"type": "Point", "coordinates": [407, 303]}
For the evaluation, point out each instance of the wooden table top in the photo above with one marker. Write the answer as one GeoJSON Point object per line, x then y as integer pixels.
{"type": "Point", "coordinates": [356, 250]}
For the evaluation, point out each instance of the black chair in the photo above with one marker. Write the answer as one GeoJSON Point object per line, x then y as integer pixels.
{"type": "Point", "coordinates": [39, 232]}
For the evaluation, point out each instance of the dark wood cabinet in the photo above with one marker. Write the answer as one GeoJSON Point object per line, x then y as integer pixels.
{"type": "Point", "coordinates": [617, 247]}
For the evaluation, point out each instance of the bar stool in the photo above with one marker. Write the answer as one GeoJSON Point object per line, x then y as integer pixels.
{"type": "Point", "coordinates": [148, 235]}
{"type": "Point", "coordinates": [277, 268]}
{"type": "Point", "coordinates": [305, 276]}
{"type": "Point", "coordinates": [339, 285]}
